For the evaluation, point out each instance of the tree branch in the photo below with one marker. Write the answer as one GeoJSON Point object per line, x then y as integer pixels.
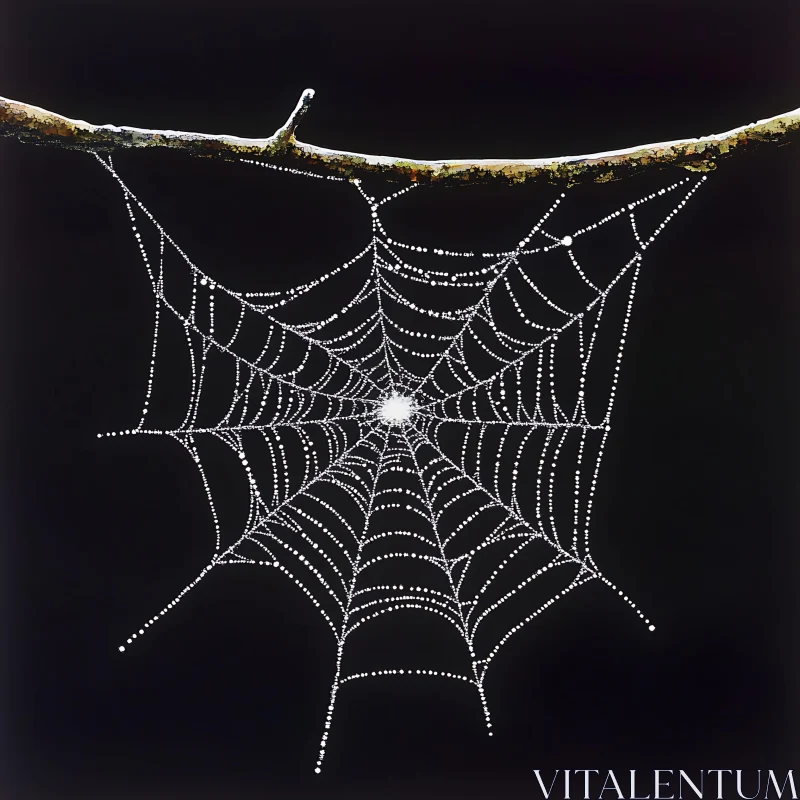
{"type": "Point", "coordinates": [32, 124]}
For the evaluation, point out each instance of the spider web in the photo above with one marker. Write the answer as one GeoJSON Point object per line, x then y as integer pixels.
{"type": "Point", "coordinates": [410, 450]}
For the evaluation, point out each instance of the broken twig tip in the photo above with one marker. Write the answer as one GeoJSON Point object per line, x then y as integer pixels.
{"type": "Point", "coordinates": [286, 133]}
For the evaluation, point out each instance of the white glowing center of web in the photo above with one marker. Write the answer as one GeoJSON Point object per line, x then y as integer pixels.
{"type": "Point", "coordinates": [396, 409]}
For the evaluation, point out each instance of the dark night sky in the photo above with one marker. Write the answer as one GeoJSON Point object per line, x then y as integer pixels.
{"type": "Point", "coordinates": [696, 519]}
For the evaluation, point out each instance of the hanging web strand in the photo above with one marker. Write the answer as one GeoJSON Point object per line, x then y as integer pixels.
{"type": "Point", "coordinates": [432, 439]}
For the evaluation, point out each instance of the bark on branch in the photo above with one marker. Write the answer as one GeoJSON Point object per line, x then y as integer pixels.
{"type": "Point", "coordinates": [32, 124]}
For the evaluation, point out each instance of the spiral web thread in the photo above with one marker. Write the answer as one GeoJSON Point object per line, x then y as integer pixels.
{"type": "Point", "coordinates": [412, 423]}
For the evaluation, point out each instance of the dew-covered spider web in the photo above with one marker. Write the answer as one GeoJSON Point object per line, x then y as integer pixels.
{"type": "Point", "coordinates": [430, 446]}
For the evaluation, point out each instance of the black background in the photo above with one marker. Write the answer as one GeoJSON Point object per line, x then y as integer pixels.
{"type": "Point", "coordinates": [697, 517]}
